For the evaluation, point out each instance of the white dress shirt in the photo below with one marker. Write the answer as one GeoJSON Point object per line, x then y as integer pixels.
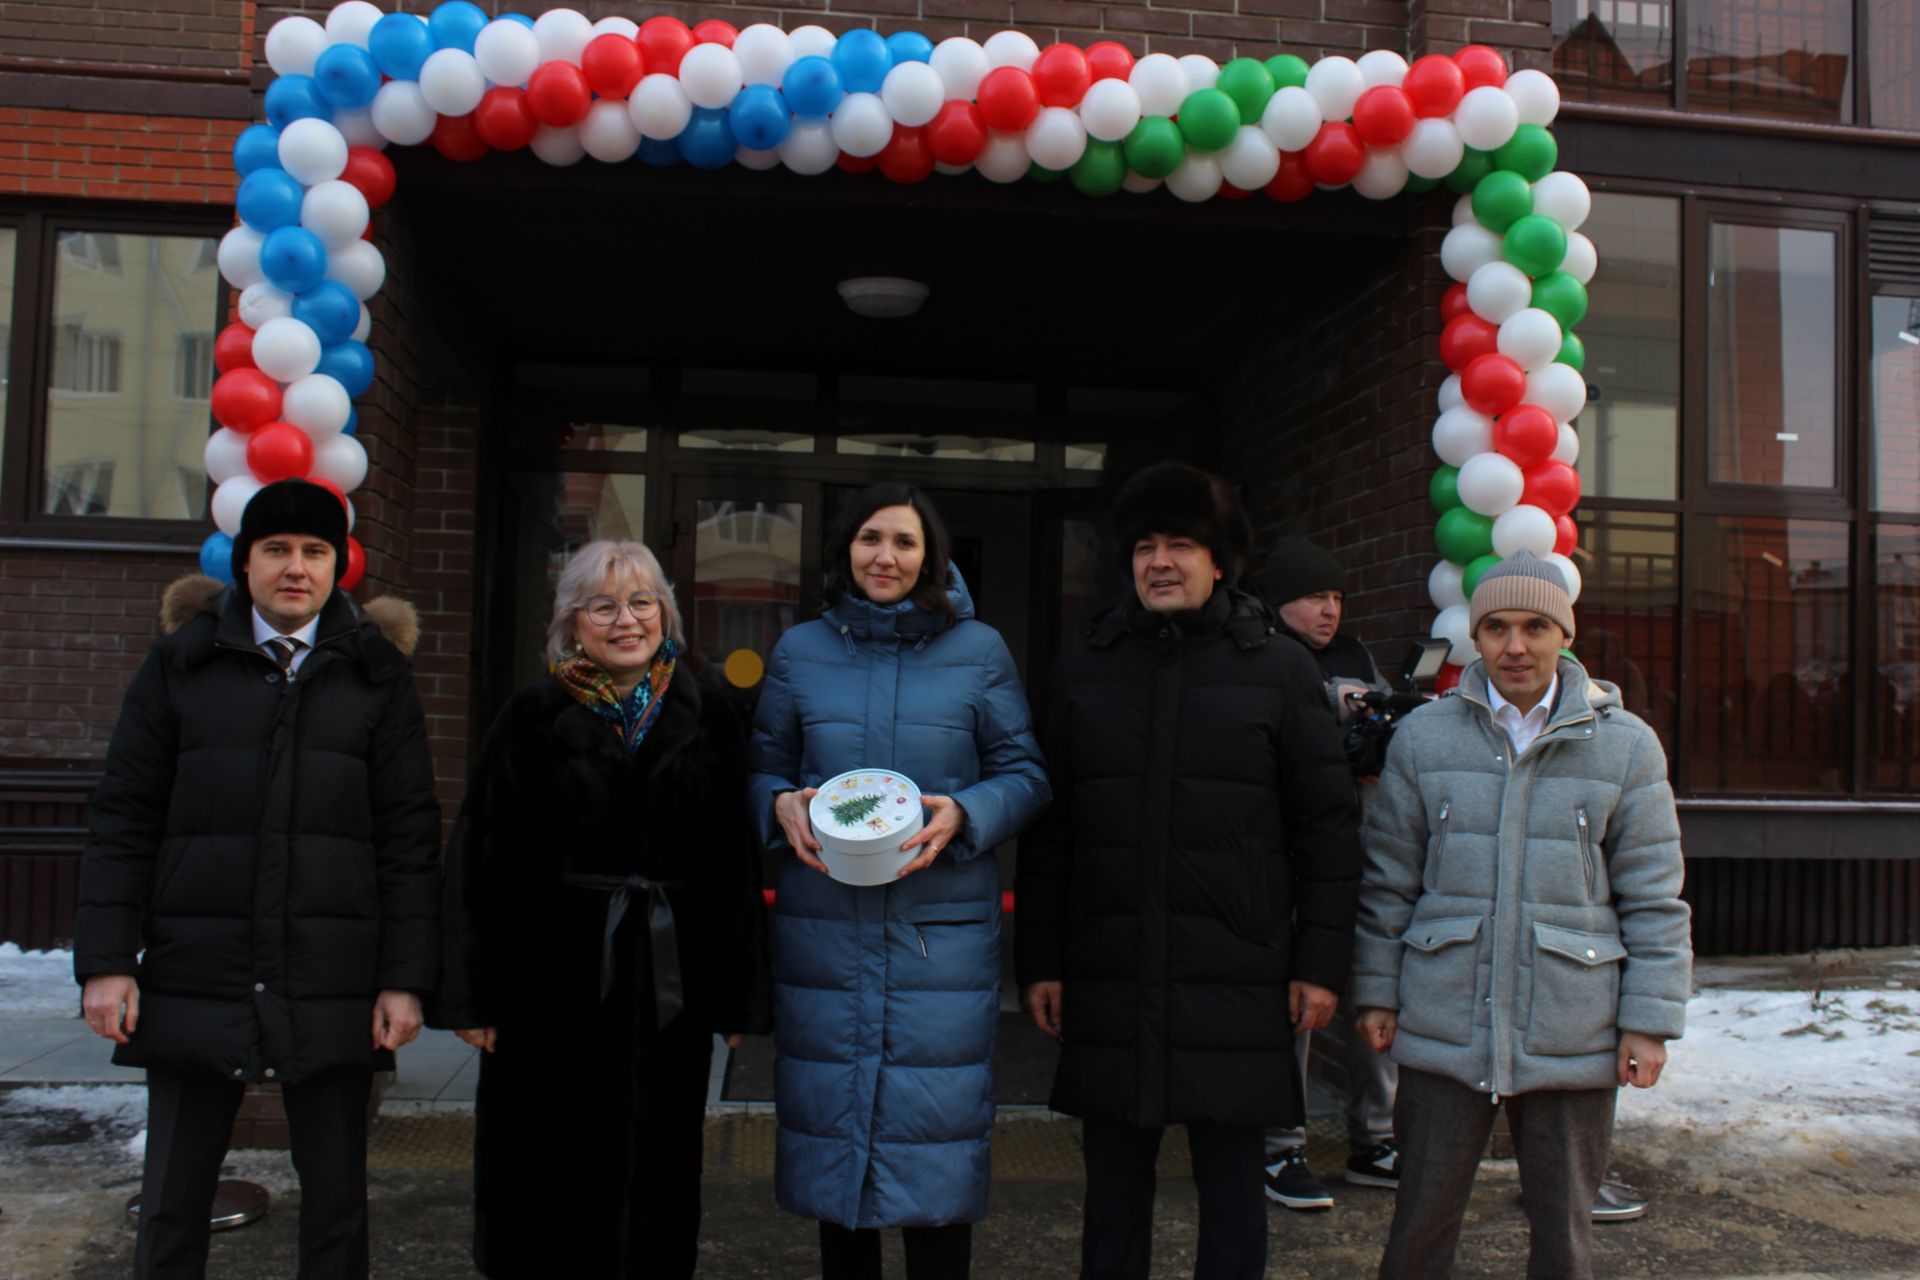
{"type": "Point", "coordinates": [264, 631]}
{"type": "Point", "coordinates": [1522, 729]}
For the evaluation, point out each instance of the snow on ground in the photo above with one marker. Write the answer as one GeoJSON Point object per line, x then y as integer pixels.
{"type": "Point", "coordinates": [37, 984]}
{"type": "Point", "coordinates": [118, 1108]}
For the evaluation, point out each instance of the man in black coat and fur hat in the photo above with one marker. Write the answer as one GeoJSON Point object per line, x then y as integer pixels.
{"type": "Point", "coordinates": [260, 887]}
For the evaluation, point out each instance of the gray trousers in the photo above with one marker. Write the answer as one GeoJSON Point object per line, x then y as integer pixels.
{"type": "Point", "coordinates": [1372, 1079]}
{"type": "Point", "coordinates": [1561, 1137]}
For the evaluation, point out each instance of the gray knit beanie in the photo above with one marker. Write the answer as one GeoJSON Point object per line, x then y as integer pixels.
{"type": "Point", "coordinates": [1522, 581]}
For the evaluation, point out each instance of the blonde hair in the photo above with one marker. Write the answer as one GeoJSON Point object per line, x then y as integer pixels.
{"type": "Point", "coordinates": [586, 574]}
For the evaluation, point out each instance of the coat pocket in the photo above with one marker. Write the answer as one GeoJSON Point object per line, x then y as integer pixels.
{"type": "Point", "coordinates": [1439, 972]}
{"type": "Point", "coordinates": [1576, 991]}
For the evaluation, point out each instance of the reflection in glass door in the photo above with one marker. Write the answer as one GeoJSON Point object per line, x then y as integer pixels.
{"type": "Point", "coordinates": [745, 573]}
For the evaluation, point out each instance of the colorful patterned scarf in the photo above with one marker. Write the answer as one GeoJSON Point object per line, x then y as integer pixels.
{"type": "Point", "coordinates": [631, 716]}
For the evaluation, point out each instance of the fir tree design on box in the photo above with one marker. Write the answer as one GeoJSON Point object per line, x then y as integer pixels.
{"type": "Point", "coordinates": [850, 811]}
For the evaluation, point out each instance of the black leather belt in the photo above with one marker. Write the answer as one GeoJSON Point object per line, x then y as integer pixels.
{"type": "Point", "coordinates": [662, 936]}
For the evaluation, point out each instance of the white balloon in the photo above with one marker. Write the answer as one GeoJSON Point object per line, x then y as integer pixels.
{"type": "Point", "coordinates": [285, 349]}
{"type": "Point", "coordinates": [1383, 174]}
{"type": "Point", "coordinates": [352, 516]}
{"type": "Point", "coordinates": [1486, 118]}
{"type": "Point", "coordinates": [317, 404]}
{"type": "Point", "coordinates": [1559, 389]}
{"type": "Point", "coordinates": [961, 65]}
{"type": "Point", "coordinates": [1467, 249]}
{"type": "Point", "coordinates": [1010, 49]}
{"type": "Point", "coordinates": [1004, 158]}
{"type": "Point", "coordinates": [809, 148]}
{"type": "Point", "coordinates": [452, 83]}
{"type": "Point", "coordinates": [231, 498]}
{"type": "Point", "coordinates": [608, 133]}
{"type": "Point", "coordinates": [1568, 570]}
{"type": "Point", "coordinates": [1197, 177]}
{"type": "Point", "coordinates": [1498, 291]}
{"type": "Point", "coordinates": [914, 93]}
{"type": "Point", "coordinates": [562, 35]}
{"type": "Point", "coordinates": [239, 257]}
{"type": "Point", "coordinates": [559, 145]}
{"type": "Point", "coordinates": [1250, 160]}
{"type": "Point", "coordinates": [402, 115]}
{"type": "Point", "coordinates": [1582, 258]}
{"type": "Point", "coordinates": [1529, 337]}
{"type": "Point", "coordinates": [342, 460]}
{"type": "Point", "coordinates": [1451, 396]}
{"type": "Point", "coordinates": [659, 106]}
{"type": "Point", "coordinates": [710, 74]}
{"type": "Point", "coordinates": [349, 23]}
{"type": "Point", "coordinates": [358, 129]}
{"type": "Point", "coordinates": [1463, 211]}
{"type": "Point", "coordinates": [294, 45]}
{"type": "Point", "coordinates": [1461, 433]}
{"type": "Point", "coordinates": [1433, 149]}
{"type": "Point", "coordinates": [1111, 109]}
{"type": "Point", "coordinates": [1292, 118]}
{"type": "Point", "coordinates": [861, 125]}
{"type": "Point", "coordinates": [226, 455]}
{"type": "Point", "coordinates": [1057, 138]}
{"type": "Point", "coordinates": [1525, 528]}
{"type": "Point", "coordinates": [1139, 185]}
{"type": "Point", "coordinates": [1535, 96]}
{"type": "Point", "coordinates": [1491, 484]}
{"type": "Point", "coordinates": [312, 151]}
{"type": "Point", "coordinates": [759, 159]}
{"type": "Point", "coordinates": [1453, 625]}
{"type": "Point", "coordinates": [951, 170]}
{"type": "Point", "coordinates": [262, 302]}
{"type": "Point", "coordinates": [813, 41]}
{"type": "Point", "coordinates": [1567, 450]}
{"type": "Point", "coordinates": [335, 211]}
{"type": "Point", "coordinates": [1445, 586]}
{"type": "Point", "coordinates": [507, 52]}
{"type": "Point", "coordinates": [1563, 197]}
{"type": "Point", "coordinates": [763, 53]}
{"type": "Point", "coordinates": [615, 26]}
{"type": "Point", "coordinates": [1202, 72]}
{"type": "Point", "coordinates": [1336, 84]}
{"type": "Point", "coordinates": [1160, 82]}
{"type": "Point", "coordinates": [1382, 66]}
{"type": "Point", "coordinates": [365, 325]}
{"type": "Point", "coordinates": [358, 266]}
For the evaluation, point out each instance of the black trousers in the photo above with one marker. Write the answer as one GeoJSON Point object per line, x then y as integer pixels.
{"type": "Point", "coordinates": [1116, 1241]}
{"type": "Point", "coordinates": [189, 1122]}
{"type": "Point", "coordinates": [933, 1253]}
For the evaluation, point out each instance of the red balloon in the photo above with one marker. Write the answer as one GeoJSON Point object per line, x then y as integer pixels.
{"type": "Point", "coordinates": [279, 451]}
{"type": "Point", "coordinates": [1453, 303]}
{"type": "Point", "coordinates": [1293, 182]}
{"type": "Point", "coordinates": [455, 138]}
{"type": "Point", "coordinates": [356, 565]}
{"type": "Point", "coordinates": [1061, 73]}
{"type": "Point", "coordinates": [1492, 384]}
{"type": "Point", "coordinates": [1481, 66]}
{"type": "Point", "coordinates": [1527, 434]}
{"type": "Point", "coordinates": [233, 349]}
{"type": "Point", "coordinates": [714, 31]}
{"type": "Point", "coordinates": [1448, 678]}
{"type": "Point", "coordinates": [1554, 487]}
{"type": "Point", "coordinates": [1434, 84]}
{"type": "Point", "coordinates": [1109, 60]}
{"type": "Point", "coordinates": [613, 64]}
{"type": "Point", "coordinates": [956, 135]}
{"type": "Point", "coordinates": [1335, 154]}
{"type": "Point", "coordinates": [1383, 116]}
{"type": "Point", "coordinates": [503, 119]}
{"type": "Point", "coordinates": [1008, 99]}
{"type": "Point", "coordinates": [372, 173]}
{"type": "Point", "coordinates": [558, 94]}
{"type": "Point", "coordinates": [856, 164]}
{"type": "Point", "coordinates": [663, 42]}
{"type": "Point", "coordinates": [1466, 337]}
{"type": "Point", "coordinates": [906, 157]}
{"type": "Point", "coordinates": [245, 399]}
{"type": "Point", "coordinates": [1228, 191]}
{"type": "Point", "coordinates": [1567, 535]}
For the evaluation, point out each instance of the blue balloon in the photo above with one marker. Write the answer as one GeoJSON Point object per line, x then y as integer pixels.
{"type": "Point", "coordinates": [520, 18]}
{"type": "Point", "coordinates": [330, 310]}
{"type": "Point", "coordinates": [216, 556]}
{"type": "Point", "coordinates": [350, 364]}
{"type": "Point", "coordinates": [353, 423]}
{"type": "Point", "coordinates": [293, 98]}
{"type": "Point", "coordinates": [269, 199]}
{"type": "Point", "coordinates": [257, 147]}
{"type": "Point", "coordinates": [862, 59]}
{"type": "Point", "coordinates": [759, 117]}
{"type": "Point", "coordinates": [909, 46]}
{"type": "Point", "coordinates": [399, 43]}
{"type": "Point", "coordinates": [707, 141]}
{"type": "Point", "coordinates": [293, 259]}
{"type": "Point", "coordinates": [812, 87]}
{"type": "Point", "coordinates": [661, 153]}
{"type": "Point", "coordinates": [456, 24]}
{"type": "Point", "coordinates": [345, 76]}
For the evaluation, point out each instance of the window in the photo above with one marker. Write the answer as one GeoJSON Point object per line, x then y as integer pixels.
{"type": "Point", "coordinates": [8, 240]}
{"type": "Point", "coordinates": [1614, 50]}
{"type": "Point", "coordinates": [1893, 63]}
{"type": "Point", "coordinates": [85, 361]}
{"type": "Point", "coordinates": [1791, 59]}
{"type": "Point", "coordinates": [1630, 432]}
{"type": "Point", "coordinates": [1893, 378]}
{"type": "Point", "coordinates": [1893, 685]}
{"type": "Point", "coordinates": [193, 372]}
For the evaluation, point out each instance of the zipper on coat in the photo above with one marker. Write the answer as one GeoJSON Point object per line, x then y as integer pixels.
{"type": "Point", "coordinates": [1439, 850]}
{"type": "Point", "coordinates": [1586, 848]}
{"type": "Point", "coordinates": [922, 935]}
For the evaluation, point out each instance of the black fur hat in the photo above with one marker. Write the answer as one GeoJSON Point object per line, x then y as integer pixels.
{"type": "Point", "coordinates": [1299, 567]}
{"type": "Point", "coordinates": [291, 506]}
{"type": "Point", "coordinates": [1177, 498]}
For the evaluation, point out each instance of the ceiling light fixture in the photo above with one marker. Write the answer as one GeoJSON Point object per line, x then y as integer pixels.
{"type": "Point", "coordinates": [882, 297]}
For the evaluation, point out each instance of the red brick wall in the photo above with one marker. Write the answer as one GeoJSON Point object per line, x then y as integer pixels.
{"type": "Point", "coordinates": [117, 157]}
{"type": "Point", "coordinates": [212, 35]}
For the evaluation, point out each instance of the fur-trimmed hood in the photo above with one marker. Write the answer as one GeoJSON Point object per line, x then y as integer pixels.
{"type": "Point", "coordinates": [195, 593]}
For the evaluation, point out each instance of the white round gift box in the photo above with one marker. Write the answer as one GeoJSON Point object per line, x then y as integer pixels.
{"type": "Point", "coordinates": [861, 817]}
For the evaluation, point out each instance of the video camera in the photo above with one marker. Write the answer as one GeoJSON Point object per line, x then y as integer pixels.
{"type": "Point", "coordinates": [1377, 715]}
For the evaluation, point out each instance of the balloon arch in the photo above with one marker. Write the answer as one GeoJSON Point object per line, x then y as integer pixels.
{"type": "Point", "coordinates": [709, 96]}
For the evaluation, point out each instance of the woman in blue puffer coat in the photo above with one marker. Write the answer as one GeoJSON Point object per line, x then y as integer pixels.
{"type": "Point", "coordinates": [886, 998]}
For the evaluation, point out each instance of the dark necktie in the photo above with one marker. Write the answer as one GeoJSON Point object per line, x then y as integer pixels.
{"type": "Point", "coordinates": [283, 648]}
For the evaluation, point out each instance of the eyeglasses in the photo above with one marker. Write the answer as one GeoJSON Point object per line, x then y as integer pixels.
{"type": "Point", "coordinates": [605, 610]}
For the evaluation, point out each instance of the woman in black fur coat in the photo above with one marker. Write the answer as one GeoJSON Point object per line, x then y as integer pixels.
{"type": "Point", "coordinates": [602, 922]}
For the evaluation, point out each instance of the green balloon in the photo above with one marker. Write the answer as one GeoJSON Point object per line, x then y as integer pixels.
{"type": "Point", "coordinates": [1562, 297]}
{"type": "Point", "coordinates": [1209, 119]}
{"type": "Point", "coordinates": [1473, 166]}
{"type": "Point", "coordinates": [1155, 148]}
{"type": "Point", "coordinates": [1535, 244]}
{"type": "Point", "coordinates": [1100, 169]}
{"type": "Point", "coordinates": [1470, 578]}
{"type": "Point", "coordinates": [1531, 152]}
{"type": "Point", "coordinates": [1287, 71]}
{"type": "Point", "coordinates": [1040, 173]}
{"type": "Point", "coordinates": [1444, 489]}
{"type": "Point", "coordinates": [1463, 536]}
{"type": "Point", "coordinates": [1501, 199]}
{"type": "Point", "coordinates": [1417, 185]}
{"type": "Point", "coordinates": [1249, 84]}
{"type": "Point", "coordinates": [1573, 352]}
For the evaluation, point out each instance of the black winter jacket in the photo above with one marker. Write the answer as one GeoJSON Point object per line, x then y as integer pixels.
{"type": "Point", "coordinates": [271, 844]}
{"type": "Point", "coordinates": [1201, 852]}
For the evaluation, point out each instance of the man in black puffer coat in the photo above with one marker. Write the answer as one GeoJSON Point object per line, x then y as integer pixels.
{"type": "Point", "coordinates": [1188, 903]}
{"type": "Point", "coordinates": [266, 833]}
